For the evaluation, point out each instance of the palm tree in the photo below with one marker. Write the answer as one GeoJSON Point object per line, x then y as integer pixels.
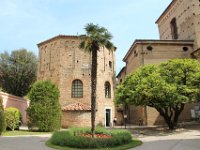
{"type": "Point", "coordinates": [95, 38]}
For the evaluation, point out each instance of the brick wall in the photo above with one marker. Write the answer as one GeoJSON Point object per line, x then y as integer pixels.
{"type": "Point", "coordinates": [187, 14]}
{"type": "Point", "coordinates": [76, 119]}
{"type": "Point", "coordinates": [153, 117]}
{"type": "Point", "coordinates": [17, 102]}
{"type": "Point", "coordinates": [61, 61]}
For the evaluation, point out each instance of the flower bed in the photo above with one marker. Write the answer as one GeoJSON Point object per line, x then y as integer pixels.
{"type": "Point", "coordinates": [81, 138]}
{"type": "Point", "coordinates": [104, 136]}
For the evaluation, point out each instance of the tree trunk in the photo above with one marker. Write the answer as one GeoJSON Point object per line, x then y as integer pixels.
{"type": "Point", "coordinates": [93, 88]}
{"type": "Point", "coordinates": [171, 115]}
{"type": "Point", "coordinates": [164, 113]}
{"type": "Point", "coordinates": [169, 122]}
{"type": "Point", "coordinates": [177, 113]}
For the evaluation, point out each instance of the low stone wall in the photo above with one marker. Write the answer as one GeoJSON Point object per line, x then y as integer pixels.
{"type": "Point", "coordinates": [17, 102]}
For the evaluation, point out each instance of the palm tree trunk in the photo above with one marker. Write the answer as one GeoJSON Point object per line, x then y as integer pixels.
{"type": "Point", "coordinates": [93, 88]}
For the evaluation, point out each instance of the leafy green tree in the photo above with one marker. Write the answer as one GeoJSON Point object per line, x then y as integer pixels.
{"type": "Point", "coordinates": [17, 71]}
{"type": "Point", "coordinates": [167, 88]}
{"type": "Point", "coordinates": [2, 118]}
{"type": "Point", "coordinates": [95, 38]}
{"type": "Point", "coordinates": [12, 117]}
{"type": "Point", "coordinates": [44, 111]}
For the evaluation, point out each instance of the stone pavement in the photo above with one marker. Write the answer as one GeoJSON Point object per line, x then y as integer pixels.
{"type": "Point", "coordinates": [188, 140]}
{"type": "Point", "coordinates": [36, 142]}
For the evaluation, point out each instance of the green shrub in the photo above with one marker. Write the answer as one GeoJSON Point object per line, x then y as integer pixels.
{"type": "Point", "coordinates": [72, 138]}
{"type": "Point", "coordinates": [2, 118]}
{"type": "Point", "coordinates": [13, 118]}
{"type": "Point", "coordinates": [44, 111]}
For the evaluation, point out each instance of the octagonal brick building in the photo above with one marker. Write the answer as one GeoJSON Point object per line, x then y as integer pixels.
{"type": "Point", "coordinates": [62, 62]}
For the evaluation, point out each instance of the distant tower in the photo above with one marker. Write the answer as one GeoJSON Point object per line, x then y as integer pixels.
{"type": "Point", "coordinates": [181, 21]}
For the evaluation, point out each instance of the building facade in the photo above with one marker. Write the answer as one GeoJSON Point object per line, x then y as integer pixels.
{"type": "Point", "coordinates": [179, 29]}
{"type": "Point", "coordinates": [181, 21]}
{"type": "Point", "coordinates": [62, 62]}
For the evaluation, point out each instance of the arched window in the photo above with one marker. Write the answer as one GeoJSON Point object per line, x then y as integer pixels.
{"type": "Point", "coordinates": [77, 89]}
{"type": "Point", "coordinates": [174, 29]}
{"type": "Point", "coordinates": [107, 90]}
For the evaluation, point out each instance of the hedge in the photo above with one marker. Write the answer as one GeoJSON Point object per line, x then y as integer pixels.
{"type": "Point", "coordinates": [13, 118]}
{"type": "Point", "coordinates": [72, 138]}
{"type": "Point", "coordinates": [44, 111]}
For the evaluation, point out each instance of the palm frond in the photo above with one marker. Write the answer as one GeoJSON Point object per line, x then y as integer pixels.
{"type": "Point", "coordinates": [99, 36]}
{"type": "Point", "coordinates": [110, 46]}
{"type": "Point", "coordinates": [108, 35]}
{"type": "Point", "coordinates": [90, 28]}
{"type": "Point", "coordinates": [82, 45]}
{"type": "Point", "coordinates": [102, 30]}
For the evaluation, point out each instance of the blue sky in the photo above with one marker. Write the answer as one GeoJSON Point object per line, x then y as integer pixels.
{"type": "Point", "coordinates": [24, 23]}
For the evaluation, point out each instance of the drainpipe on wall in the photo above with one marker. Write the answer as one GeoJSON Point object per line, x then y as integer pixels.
{"type": "Point", "coordinates": [142, 55]}
{"type": "Point", "coordinates": [145, 107]}
{"type": "Point", "coordinates": [74, 58]}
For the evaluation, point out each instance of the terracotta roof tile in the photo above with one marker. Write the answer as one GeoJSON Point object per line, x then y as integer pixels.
{"type": "Point", "coordinates": [76, 107]}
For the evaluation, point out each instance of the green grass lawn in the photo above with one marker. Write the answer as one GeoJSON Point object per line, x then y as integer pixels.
{"type": "Point", "coordinates": [132, 144]}
{"type": "Point", "coordinates": [23, 132]}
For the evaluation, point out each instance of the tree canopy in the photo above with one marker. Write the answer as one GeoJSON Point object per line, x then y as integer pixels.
{"type": "Point", "coordinates": [166, 87]}
{"type": "Point", "coordinates": [17, 71]}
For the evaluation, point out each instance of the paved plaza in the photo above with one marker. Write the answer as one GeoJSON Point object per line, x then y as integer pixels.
{"type": "Point", "coordinates": [24, 143]}
{"type": "Point", "coordinates": [188, 139]}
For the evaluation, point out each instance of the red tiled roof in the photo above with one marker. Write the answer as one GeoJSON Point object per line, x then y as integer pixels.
{"type": "Point", "coordinates": [76, 107]}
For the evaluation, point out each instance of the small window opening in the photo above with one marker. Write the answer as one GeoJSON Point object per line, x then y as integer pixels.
{"type": "Point", "coordinates": [149, 48]}
{"type": "Point", "coordinates": [174, 30]}
{"type": "Point", "coordinates": [107, 90]}
{"type": "Point", "coordinates": [185, 49]}
{"type": "Point", "coordinates": [110, 64]}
